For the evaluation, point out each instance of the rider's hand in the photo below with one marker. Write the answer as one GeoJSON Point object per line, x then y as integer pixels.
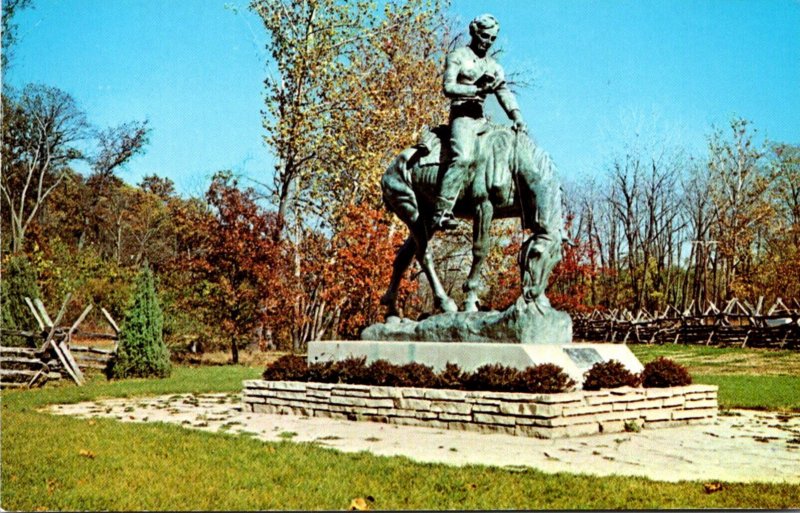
{"type": "Point", "coordinates": [520, 126]}
{"type": "Point", "coordinates": [485, 90]}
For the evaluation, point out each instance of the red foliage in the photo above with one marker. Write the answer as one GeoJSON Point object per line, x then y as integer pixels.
{"type": "Point", "coordinates": [571, 278]}
{"type": "Point", "coordinates": [235, 258]}
{"type": "Point", "coordinates": [363, 250]}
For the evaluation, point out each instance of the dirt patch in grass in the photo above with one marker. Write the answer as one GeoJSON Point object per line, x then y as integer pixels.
{"type": "Point", "coordinates": [259, 359]}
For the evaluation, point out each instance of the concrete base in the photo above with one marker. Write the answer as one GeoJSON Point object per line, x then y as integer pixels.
{"type": "Point", "coordinates": [574, 358]}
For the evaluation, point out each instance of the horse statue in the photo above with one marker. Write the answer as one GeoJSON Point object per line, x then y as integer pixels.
{"type": "Point", "coordinates": [510, 177]}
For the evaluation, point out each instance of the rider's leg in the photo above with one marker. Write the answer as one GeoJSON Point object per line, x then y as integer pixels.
{"type": "Point", "coordinates": [462, 147]}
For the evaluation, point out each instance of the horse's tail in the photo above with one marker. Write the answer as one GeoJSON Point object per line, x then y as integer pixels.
{"type": "Point", "coordinates": [397, 188]}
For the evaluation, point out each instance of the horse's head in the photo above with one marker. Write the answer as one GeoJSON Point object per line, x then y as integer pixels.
{"type": "Point", "coordinates": [537, 258]}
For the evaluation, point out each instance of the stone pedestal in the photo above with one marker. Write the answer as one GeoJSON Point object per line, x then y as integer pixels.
{"type": "Point", "coordinates": [574, 358]}
{"type": "Point", "coordinates": [524, 323]}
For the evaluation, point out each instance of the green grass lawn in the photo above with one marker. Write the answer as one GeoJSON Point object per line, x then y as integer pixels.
{"type": "Point", "coordinates": [56, 463]}
{"type": "Point", "coordinates": [747, 378]}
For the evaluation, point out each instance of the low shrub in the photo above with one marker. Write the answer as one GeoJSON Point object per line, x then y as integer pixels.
{"type": "Point", "coordinates": [546, 378]}
{"type": "Point", "coordinates": [385, 374]}
{"type": "Point", "coordinates": [352, 370]}
{"type": "Point", "coordinates": [451, 377]}
{"type": "Point", "coordinates": [323, 372]}
{"type": "Point", "coordinates": [287, 368]}
{"type": "Point", "coordinates": [610, 374]}
{"type": "Point", "coordinates": [419, 375]}
{"type": "Point", "coordinates": [493, 377]}
{"type": "Point", "coordinates": [663, 372]}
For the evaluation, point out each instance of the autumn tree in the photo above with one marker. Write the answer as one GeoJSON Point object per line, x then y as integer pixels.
{"type": "Point", "coordinates": [348, 89]}
{"type": "Point", "coordinates": [363, 249]}
{"type": "Point", "coordinates": [309, 42]}
{"type": "Point", "coordinates": [44, 131]}
{"type": "Point", "coordinates": [238, 263]}
{"type": "Point", "coordinates": [9, 37]}
{"type": "Point", "coordinates": [739, 184]}
{"type": "Point", "coordinates": [392, 90]}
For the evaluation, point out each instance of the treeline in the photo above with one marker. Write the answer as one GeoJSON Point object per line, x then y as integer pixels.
{"type": "Point", "coordinates": [661, 227]}
{"type": "Point", "coordinates": [303, 255]}
{"type": "Point", "coordinates": [307, 253]}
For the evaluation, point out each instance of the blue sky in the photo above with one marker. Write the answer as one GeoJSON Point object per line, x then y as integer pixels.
{"type": "Point", "coordinates": [602, 70]}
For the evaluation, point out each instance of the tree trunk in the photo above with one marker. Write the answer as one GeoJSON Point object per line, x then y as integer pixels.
{"type": "Point", "coordinates": [234, 351]}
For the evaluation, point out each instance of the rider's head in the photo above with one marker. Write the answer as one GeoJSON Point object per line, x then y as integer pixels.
{"type": "Point", "coordinates": [483, 30]}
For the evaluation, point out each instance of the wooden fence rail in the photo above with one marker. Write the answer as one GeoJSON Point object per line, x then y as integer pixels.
{"type": "Point", "coordinates": [52, 353]}
{"type": "Point", "coordinates": [738, 324]}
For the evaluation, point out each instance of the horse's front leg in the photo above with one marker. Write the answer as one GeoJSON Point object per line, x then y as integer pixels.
{"type": "Point", "coordinates": [484, 212]}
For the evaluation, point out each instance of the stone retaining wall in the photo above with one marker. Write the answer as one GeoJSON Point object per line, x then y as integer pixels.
{"type": "Point", "coordinates": [538, 415]}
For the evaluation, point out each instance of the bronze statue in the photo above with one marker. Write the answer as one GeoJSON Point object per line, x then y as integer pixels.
{"type": "Point", "coordinates": [490, 172]}
{"type": "Point", "coordinates": [470, 75]}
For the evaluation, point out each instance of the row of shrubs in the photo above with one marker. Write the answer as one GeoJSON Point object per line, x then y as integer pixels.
{"type": "Point", "coordinates": [538, 379]}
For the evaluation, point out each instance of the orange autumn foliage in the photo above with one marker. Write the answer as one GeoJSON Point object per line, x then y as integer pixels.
{"type": "Point", "coordinates": [363, 250]}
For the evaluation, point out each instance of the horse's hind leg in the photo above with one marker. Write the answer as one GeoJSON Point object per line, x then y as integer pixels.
{"type": "Point", "coordinates": [420, 231]}
{"type": "Point", "coordinates": [484, 212]}
{"type": "Point", "coordinates": [401, 262]}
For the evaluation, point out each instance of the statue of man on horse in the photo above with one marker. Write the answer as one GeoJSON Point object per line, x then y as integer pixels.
{"type": "Point", "coordinates": [474, 169]}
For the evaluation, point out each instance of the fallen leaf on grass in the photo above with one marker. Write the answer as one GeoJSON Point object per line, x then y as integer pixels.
{"type": "Point", "coordinates": [712, 487]}
{"type": "Point", "coordinates": [360, 504]}
{"type": "Point", "coordinates": [87, 454]}
{"type": "Point", "coordinates": [91, 423]}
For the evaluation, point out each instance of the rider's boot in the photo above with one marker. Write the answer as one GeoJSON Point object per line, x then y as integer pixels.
{"type": "Point", "coordinates": [449, 188]}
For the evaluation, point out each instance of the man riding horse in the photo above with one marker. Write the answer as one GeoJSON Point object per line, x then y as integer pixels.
{"type": "Point", "coordinates": [486, 172]}
{"type": "Point", "coordinates": [470, 75]}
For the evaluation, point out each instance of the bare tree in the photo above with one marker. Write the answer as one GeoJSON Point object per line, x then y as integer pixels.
{"type": "Point", "coordinates": [41, 129]}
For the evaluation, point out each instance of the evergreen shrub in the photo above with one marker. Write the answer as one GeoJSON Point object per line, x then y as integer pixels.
{"type": "Point", "coordinates": [352, 370]}
{"type": "Point", "coordinates": [663, 372]}
{"type": "Point", "coordinates": [451, 377]}
{"type": "Point", "coordinates": [610, 374]}
{"type": "Point", "coordinates": [142, 352]}
{"type": "Point", "coordinates": [18, 281]}
{"type": "Point", "coordinates": [493, 376]}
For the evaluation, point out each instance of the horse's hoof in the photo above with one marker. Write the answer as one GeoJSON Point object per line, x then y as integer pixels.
{"type": "Point", "coordinates": [471, 306]}
{"type": "Point", "coordinates": [449, 306]}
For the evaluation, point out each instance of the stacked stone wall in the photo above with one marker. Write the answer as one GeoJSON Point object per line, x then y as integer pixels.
{"type": "Point", "coordinates": [537, 415]}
